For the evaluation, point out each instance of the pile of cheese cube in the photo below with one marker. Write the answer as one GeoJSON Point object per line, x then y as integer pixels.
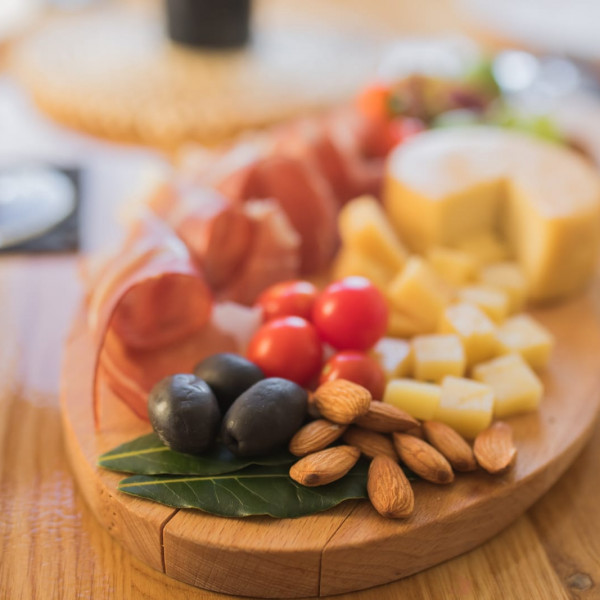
{"type": "Point", "coordinates": [460, 351]}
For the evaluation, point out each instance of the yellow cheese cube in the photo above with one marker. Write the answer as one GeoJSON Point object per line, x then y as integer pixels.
{"type": "Point", "coordinates": [484, 247]}
{"type": "Point", "coordinates": [417, 398]}
{"type": "Point", "coordinates": [394, 356]}
{"type": "Point", "coordinates": [404, 326]}
{"type": "Point", "coordinates": [492, 301]}
{"type": "Point", "coordinates": [524, 335]}
{"type": "Point", "coordinates": [438, 355]}
{"type": "Point", "coordinates": [454, 266]}
{"type": "Point", "coordinates": [475, 330]}
{"type": "Point", "coordinates": [350, 261]}
{"type": "Point", "coordinates": [465, 405]}
{"type": "Point", "coordinates": [509, 277]}
{"type": "Point", "coordinates": [364, 226]}
{"type": "Point", "coordinates": [418, 293]}
{"type": "Point", "coordinates": [516, 387]}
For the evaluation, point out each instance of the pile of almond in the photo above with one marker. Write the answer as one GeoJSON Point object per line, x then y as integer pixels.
{"type": "Point", "coordinates": [389, 436]}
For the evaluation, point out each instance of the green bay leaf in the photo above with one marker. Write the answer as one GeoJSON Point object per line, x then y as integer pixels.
{"type": "Point", "coordinates": [257, 490]}
{"type": "Point", "coordinates": [147, 455]}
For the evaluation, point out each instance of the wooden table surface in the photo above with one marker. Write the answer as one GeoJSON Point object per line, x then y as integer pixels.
{"type": "Point", "coordinates": [51, 547]}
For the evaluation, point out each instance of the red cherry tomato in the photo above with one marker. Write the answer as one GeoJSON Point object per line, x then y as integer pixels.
{"type": "Point", "coordinates": [351, 314]}
{"type": "Point", "coordinates": [374, 101]}
{"type": "Point", "coordinates": [288, 347]}
{"type": "Point", "coordinates": [379, 136]}
{"type": "Point", "coordinates": [357, 367]}
{"type": "Point", "coordinates": [287, 299]}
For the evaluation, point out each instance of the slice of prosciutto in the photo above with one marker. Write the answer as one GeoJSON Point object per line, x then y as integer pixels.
{"type": "Point", "coordinates": [240, 248]}
{"type": "Point", "coordinates": [304, 196]}
{"type": "Point", "coordinates": [272, 256]}
{"type": "Point", "coordinates": [332, 146]}
{"type": "Point", "coordinates": [148, 297]}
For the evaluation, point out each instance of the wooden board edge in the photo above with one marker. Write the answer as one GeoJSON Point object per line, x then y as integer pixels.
{"type": "Point", "coordinates": [124, 517]}
{"type": "Point", "coordinates": [488, 522]}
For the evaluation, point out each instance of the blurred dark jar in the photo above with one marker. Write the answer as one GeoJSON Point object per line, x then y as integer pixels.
{"type": "Point", "coordinates": [209, 23]}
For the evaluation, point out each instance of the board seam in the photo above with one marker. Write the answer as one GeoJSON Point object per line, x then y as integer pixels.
{"type": "Point", "coordinates": [356, 504]}
{"type": "Point", "coordinates": [162, 539]}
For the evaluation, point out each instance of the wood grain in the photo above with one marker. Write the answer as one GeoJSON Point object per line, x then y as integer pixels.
{"type": "Point", "coordinates": [52, 546]}
{"type": "Point", "coordinates": [351, 547]}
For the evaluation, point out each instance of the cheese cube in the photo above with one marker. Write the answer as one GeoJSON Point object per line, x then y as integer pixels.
{"type": "Point", "coordinates": [524, 335]}
{"type": "Point", "coordinates": [438, 355]}
{"type": "Point", "coordinates": [364, 226]}
{"type": "Point", "coordinates": [516, 387]}
{"type": "Point", "coordinates": [350, 261]}
{"type": "Point", "coordinates": [454, 266]}
{"type": "Point", "coordinates": [492, 301]}
{"type": "Point", "coordinates": [465, 405]}
{"type": "Point", "coordinates": [404, 326]}
{"type": "Point", "coordinates": [485, 247]}
{"type": "Point", "coordinates": [418, 292]}
{"type": "Point", "coordinates": [509, 277]}
{"type": "Point", "coordinates": [394, 356]}
{"type": "Point", "coordinates": [475, 330]}
{"type": "Point", "coordinates": [417, 398]}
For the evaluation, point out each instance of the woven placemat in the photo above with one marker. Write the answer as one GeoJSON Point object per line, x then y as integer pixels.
{"type": "Point", "coordinates": [111, 72]}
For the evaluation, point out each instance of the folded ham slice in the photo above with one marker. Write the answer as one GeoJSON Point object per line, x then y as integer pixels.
{"type": "Point", "coordinates": [305, 197]}
{"type": "Point", "coordinates": [272, 256]}
{"type": "Point", "coordinates": [332, 145]}
{"type": "Point", "coordinates": [241, 248]}
{"type": "Point", "coordinates": [149, 296]}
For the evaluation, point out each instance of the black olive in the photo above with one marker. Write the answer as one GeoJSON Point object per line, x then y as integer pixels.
{"type": "Point", "coordinates": [184, 413]}
{"type": "Point", "coordinates": [228, 375]}
{"type": "Point", "coordinates": [264, 417]}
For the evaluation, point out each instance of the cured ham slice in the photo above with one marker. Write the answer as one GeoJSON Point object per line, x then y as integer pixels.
{"type": "Point", "coordinates": [303, 194]}
{"type": "Point", "coordinates": [216, 231]}
{"type": "Point", "coordinates": [151, 293]}
{"type": "Point", "coordinates": [239, 247]}
{"type": "Point", "coordinates": [331, 145]}
{"type": "Point", "coordinates": [148, 297]}
{"type": "Point", "coordinates": [272, 256]}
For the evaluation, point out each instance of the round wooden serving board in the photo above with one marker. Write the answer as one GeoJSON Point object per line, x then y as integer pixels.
{"type": "Point", "coordinates": [350, 547]}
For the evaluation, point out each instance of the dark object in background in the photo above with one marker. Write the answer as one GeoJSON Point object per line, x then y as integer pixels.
{"type": "Point", "coordinates": [63, 236]}
{"type": "Point", "coordinates": [209, 23]}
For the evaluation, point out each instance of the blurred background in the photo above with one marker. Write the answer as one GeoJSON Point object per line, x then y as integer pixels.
{"type": "Point", "coordinates": [97, 96]}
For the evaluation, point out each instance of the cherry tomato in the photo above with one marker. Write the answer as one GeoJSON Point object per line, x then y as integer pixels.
{"type": "Point", "coordinates": [351, 314]}
{"type": "Point", "coordinates": [379, 136]}
{"type": "Point", "coordinates": [288, 347]}
{"type": "Point", "coordinates": [357, 367]}
{"type": "Point", "coordinates": [287, 299]}
{"type": "Point", "coordinates": [374, 101]}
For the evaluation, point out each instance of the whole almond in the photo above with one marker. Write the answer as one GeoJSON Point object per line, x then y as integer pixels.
{"type": "Point", "coordinates": [451, 444]}
{"type": "Point", "coordinates": [416, 432]}
{"type": "Point", "coordinates": [320, 468]}
{"type": "Point", "coordinates": [423, 459]}
{"type": "Point", "coordinates": [386, 418]}
{"type": "Point", "coordinates": [494, 448]}
{"type": "Point", "coordinates": [389, 490]}
{"type": "Point", "coordinates": [315, 436]}
{"type": "Point", "coordinates": [312, 409]}
{"type": "Point", "coordinates": [342, 401]}
{"type": "Point", "coordinates": [370, 443]}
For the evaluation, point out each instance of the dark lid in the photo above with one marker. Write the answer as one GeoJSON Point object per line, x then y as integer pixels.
{"type": "Point", "coordinates": [209, 23]}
